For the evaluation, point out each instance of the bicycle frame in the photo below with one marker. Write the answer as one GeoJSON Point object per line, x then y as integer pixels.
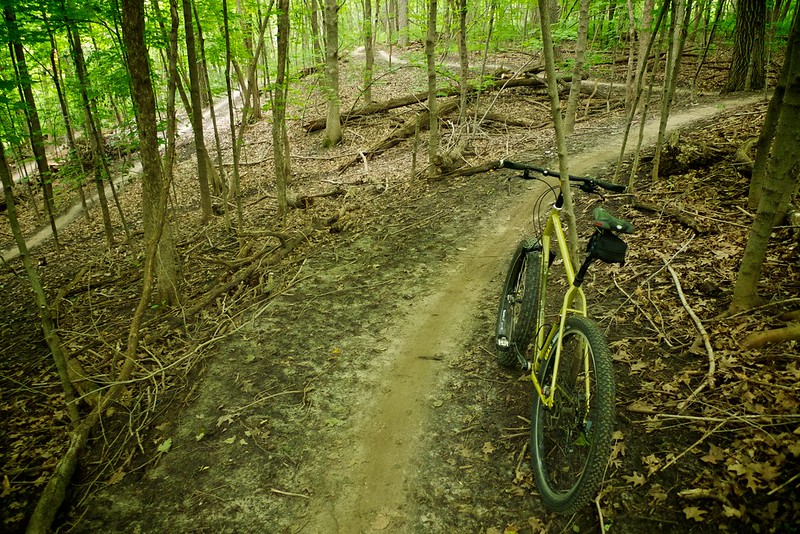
{"type": "Point", "coordinates": [574, 295]}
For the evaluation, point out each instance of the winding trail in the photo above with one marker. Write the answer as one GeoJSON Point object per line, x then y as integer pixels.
{"type": "Point", "coordinates": [76, 210]}
{"type": "Point", "coordinates": [367, 490]}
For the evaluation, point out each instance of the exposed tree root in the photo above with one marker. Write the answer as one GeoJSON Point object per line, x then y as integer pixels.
{"type": "Point", "coordinates": [777, 335]}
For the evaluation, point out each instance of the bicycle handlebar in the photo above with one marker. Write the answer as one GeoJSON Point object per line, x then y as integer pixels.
{"type": "Point", "coordinates": [588, 184]}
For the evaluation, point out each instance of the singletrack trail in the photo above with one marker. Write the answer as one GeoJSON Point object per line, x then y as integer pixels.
{"type": "Point", "coordinates": [367, 490]}
{"type": "Point", "coordinates": [328, 413]}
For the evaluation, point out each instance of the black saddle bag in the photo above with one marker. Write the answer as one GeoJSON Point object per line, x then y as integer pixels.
{"type": "Point", "coordinates": [608, 247]}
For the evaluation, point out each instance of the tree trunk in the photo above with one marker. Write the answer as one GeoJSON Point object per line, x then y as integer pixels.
{"type": "Point", "coordinates": [767, 135]}
{"type": "Point", "coordinates": [217, 180]}
{"type": "Point", "coordinates": [65, 115]}
{"type": "Point", "coordinates": [747, 63]}
{"type": "Point", "coordinates": [430, 50]}
{"type": "Point", "coordinates": [646, 38]}
{"type": "Point", "coordinates": [197, 113]}
{"type": "Point", "coordinates": [253, 94]}
{"type": "Point", "coordinates": [153, 190]}
{"type": "Point", "coordinates": [235, 189]}
{"type": "Point", "coordinates": [48, 327]}
{"type": "Point", "coordinates": [369, 52]}
{"type": "Point", "coordinates": [545, 15]}
{"type": "Point", "coordinates": [319, 55]}
{"type": "Point", "coordinates": [333, 125]}
{"type": "Point", "coordinates": [779, 183]}
{"type": "Point", "coordinates": [463, 59]}
{"type": "Point", "coordinates": [402, 23]}
{"type": "Point", "coordinates": [32, 116]}
{"type": "Point", "coordinates": [677, 39]}
{"type": "Point", "coordinates": [280, 138]}
{"type": "Point", "coordinates": [577, 72]}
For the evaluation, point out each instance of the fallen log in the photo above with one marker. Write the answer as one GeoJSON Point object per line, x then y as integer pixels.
{"type": "Point", "coordinates": [412, 126]}
{"type": "Point", "coordinates": [421, 98]}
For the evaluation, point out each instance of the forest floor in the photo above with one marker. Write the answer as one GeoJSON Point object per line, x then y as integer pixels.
{"type": "Point", "coordinates": [347, 383]}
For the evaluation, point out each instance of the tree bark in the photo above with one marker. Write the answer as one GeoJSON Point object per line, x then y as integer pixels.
{"type": "Point", "coordinates": [280, 139]}
{"type": "Point", "coordinates": [48, 326]}
{"type": "Point", "coordinates": [430, 45]}
{"type": "Point", "coordinates": [577, 72]}
{"type": "Point", "coordinates": [463, 60]}
{"type": "Point", "coordinates": [747, 63]}
{"type": "Point", "coordinates": [153, 190]}
{"type": "Point", "coordinates": [333, 125]}
{"type": "Point", "coordinates": [235, 189]}
{"type": "Point", "coordinates": [674, 55]}
{"type": "Point", "coordinates": [369, 52]}
{"type": "Point", "coordinates": [545, 15]}
{"type": "Point", "coordinates": [767, 134]}
{"type": "Point", "coordinates": [32, 116]}
{"type": "Point", "coordinates": [197, 113]}
{"type": "Point", "coordinates": [779, 183]}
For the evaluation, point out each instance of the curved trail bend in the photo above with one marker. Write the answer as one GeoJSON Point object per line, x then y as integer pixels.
{"type": "Point", "coordinates": [366, 491]}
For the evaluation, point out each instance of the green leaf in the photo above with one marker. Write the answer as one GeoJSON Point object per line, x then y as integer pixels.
{"type": "Point", "coordinates": [165, 445]}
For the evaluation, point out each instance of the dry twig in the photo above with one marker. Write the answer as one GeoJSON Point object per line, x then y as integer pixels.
{"type": "Point", "coordinates": [709, 380]}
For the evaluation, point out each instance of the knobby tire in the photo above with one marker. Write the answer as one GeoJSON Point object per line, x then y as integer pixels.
{"type": "Point", "coordinates": [570, 447]}
{"type": "Point", "coordinates": [518, 304]}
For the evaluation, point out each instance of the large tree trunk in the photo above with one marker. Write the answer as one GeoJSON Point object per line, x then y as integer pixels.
{"type": "Point", "coordinates": [402, 22]}
{"type": "Point", "coordinates": [333, 125]}
{"type": "Point", "coordinates": [153, 189]}
{"type": "Point", "coordinates": [779, 181]}
{"type": "Point", "coordinates": [747, 64]}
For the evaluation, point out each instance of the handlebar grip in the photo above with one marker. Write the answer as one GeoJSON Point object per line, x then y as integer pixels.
{"type": "Point", "coordinates": [610, 186]}
{"type": "Point", "coordinates": [524, 167]}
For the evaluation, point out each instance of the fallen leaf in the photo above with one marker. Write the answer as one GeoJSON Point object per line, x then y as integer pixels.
{"type": "Point", "coordinates": [730, 511]}
{"type": "Point", "coordinates": [715, 454]}
{"type": "Point", "coordinates": [693, 512]}
{"type": "Point", "coordinates": [636, 479]}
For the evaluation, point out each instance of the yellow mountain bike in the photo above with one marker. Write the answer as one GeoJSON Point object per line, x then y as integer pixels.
{"type": "Point", "coordinates": [569, 360]}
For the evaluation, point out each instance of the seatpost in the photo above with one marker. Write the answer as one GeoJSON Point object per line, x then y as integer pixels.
{"type": "Point", "coordinates": [582, 271]}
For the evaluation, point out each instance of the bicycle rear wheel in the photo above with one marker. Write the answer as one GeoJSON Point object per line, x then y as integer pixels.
{"type": "Point", "coordinates": [571, 442]}
{"type": "Point", "coordinates": [516, 314]}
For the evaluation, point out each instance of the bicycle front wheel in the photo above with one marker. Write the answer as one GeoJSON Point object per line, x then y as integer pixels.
{"type": "Point", "coordinates": [516, 315]}
{"type": "Point", "coordinates": [571, 442]}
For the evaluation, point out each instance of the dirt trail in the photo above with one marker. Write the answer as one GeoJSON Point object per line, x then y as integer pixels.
{"type": "Point", "coordinates": [367, 490]}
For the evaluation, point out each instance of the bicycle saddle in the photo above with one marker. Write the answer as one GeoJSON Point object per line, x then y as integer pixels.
{"type": "Point", "coordinates": [606, 221]}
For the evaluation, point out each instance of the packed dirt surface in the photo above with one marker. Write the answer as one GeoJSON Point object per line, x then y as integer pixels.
{"type": "Point", "coordinates": [359, 393]}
